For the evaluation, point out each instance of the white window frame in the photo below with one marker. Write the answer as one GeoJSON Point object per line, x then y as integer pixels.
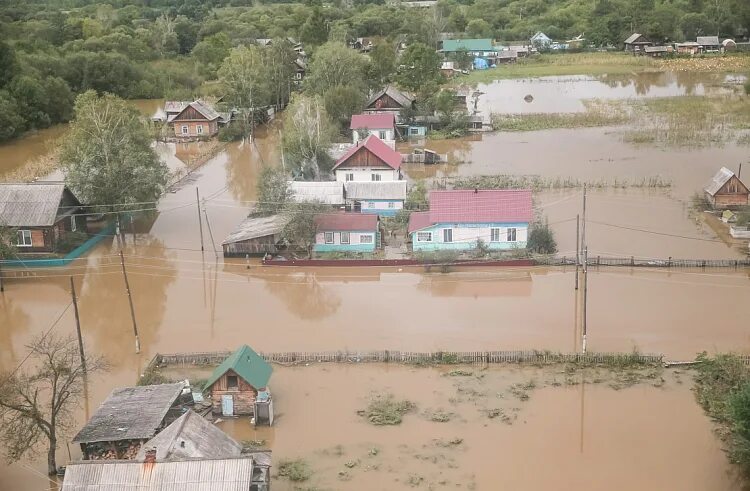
{"type": "Point", "coordinates": [511, 232]}
{"type": "Point", "coordinates": [341, 238]}
{"type": "Point", "coordinates": [349, 176]}
{"type": "Point", "coordinates": [199, 129]}
{"type": "Point", "coordinates": [495, 234]}
{"type": "Point", "coordinates": [185, 130]}
{"type": "Point", "coordinates": [21, 238]}
{"type": "Point", "coordinates": [413, 131]}
{"type": "Point", "coordinates": [391, 204]}
{"type": "Point", "coordinates": [383, 135]}
{"type": "Point", "coordinates": [328, 237]}
{"type": "Point", "coordinates": [421, 235]}
{"type": "Point", "coordinates": [376, 177]}
{"type": "Point", "coordinates": [447, 235]}
{"type": "Point", "coordinates": [365, 238]}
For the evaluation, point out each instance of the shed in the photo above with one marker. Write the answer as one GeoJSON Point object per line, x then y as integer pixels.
{"type": "Point", "coordinates": [726, 190]}
{"type": "Point", "coordinates": [656, 51]}
{"type": "Point", "coordinates": [235, 384]}
{"type": "Point", "coordinates": [687, 48]}
{"type": "Point", "coordinates": [636, 42]}
{"type": "Point", "coordinates": [384, 198]}
{"type": "Point", "coordinates": [328, 192]}
{"type": "Point", "coordinates": [129, 417]}
{"type": "Point", "coordinates": [255, 236]}
{"type": "Point", "coordinates": [506, 56]}
{"type": "Point", "coordinates": [43, 214]}
{"type": "Point", "coordinates": [709, 43]}
{"type": "Point", "coordinates": [729, 45]}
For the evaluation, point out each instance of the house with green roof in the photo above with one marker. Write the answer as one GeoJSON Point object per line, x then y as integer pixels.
{"type": "Point", "coordinates": [235, 385]}
{"type": "Point", "coordinates": [474, 47]}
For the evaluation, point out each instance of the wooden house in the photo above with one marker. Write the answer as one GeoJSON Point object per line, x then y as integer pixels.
{"type": "Point", "coordinates": [369, 160]}
{"type": "Point", "coordinates": [127, 419]}
{"type": "Point", "coordinates": [346, 232]}
{"type": "Point", "coordinates": [657, 51]}
{"type": "Point", "coordinates": [255, 236]}
{"type": "Point", "coordinates": [43, 214]}
{"type": "Point", "coordinates": [196, 120]}
{"type": "Point", "coordinates": [687, 48]}
{"type": "Point", "coordinates": [389, 99]}
{"type": "Point", "coordinates": [300, 69]}
{"type": "Point", "coordinates": [384, 198]}
{"type": "Point", "coordinates": [726, 190]}
{"type": "Point", "coordinates": [383, 125]}
{"type": "Point", "coordinates": [238, 382]}
{"type": "Point", "coordinates": [636, 43]}
{"type": "Point", "coordinates": [460, 219]}
{"type": "Point", "coordinates": [709, 44]}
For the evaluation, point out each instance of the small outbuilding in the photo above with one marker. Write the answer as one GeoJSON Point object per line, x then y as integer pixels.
{"type": "Point", "coordinates": [657, 51]}
{"type": "Point", "coordinates": [726, 190]}
{"type": "Point", "coordinates": [255, 236]}
{"type": "Point", "coordinates": [728, 45]}
{"type": "Point", "coordinates": [384, 198]}
{"type": "Point", "coordinates": [239, 383]}
{"type": "Point", "coordinates": [346, 232]}
{"type": "Point", "coordinates": [637, 42]}
{"type": "Point", "coordinates": [688, 48]}
{"type": "Point", "coordinates": [327, 192]}
{"type": "Point", "coordinates": [709, 44]}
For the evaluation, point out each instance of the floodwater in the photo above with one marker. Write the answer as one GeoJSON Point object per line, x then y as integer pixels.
{"type": "Point", "coordinates": [565, 94]}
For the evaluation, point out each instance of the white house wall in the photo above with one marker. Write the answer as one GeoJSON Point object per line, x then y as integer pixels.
{"type": "Point", "coordinates": [365, 174]}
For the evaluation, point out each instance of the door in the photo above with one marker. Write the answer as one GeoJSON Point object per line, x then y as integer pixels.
{"type": "Point", "coordinates": [227, 406]}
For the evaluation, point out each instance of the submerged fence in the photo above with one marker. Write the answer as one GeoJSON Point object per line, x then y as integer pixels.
{"type": "Point", "coordinates": [646, 262]}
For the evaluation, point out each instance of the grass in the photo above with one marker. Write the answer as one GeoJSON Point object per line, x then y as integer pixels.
{"type": "Point", "coordinates": [296, 470]}
{"type": "Point", "coordinates": [548, 121]}
{"type": "Point", "coordinates": [385, 410]}
{"type": "Point", "coordinates": [538, 183]}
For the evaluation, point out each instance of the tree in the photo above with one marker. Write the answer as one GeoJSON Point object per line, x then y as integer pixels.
{"type": "Point", "coordinates": [11, 122]}
{"type": "Point", "coordinates": [107, 154]}
{"type": "Point", "coordinates": [341, 102]}
{"type": "Point", "coordinates": [8, 63]}
{"type": "Point", "coordinates": [37, 405]}
{"type": "Point", "coordinates": [478, 28]}
{"type": "Point", "coordinates": [334, 65]}
{"type": "Point", "coordinates": [739, 412]}
{"type": "Point", "coordinates": [382, 64]}
{"type": "Point", "coordinates": [8, 241]}
{"type": "Point", "coordinates": [308, 133]}
{"type": "Point", "coordinates": [541, 239]}
{"type": "Point", "coordinates": [273, 190]}
{"type": "Point", "coordinates": [420, 66]}
{"type": "Point", "coordinates": [243, 74]}
{"type": "Point", "coordinates": [313, 32]}
{"type": "Point", "coordinates": [279, 59]}
{"type": "Point", "coordinates": [300, 228]}
{"type": "Point", "coordinates": [211, 51]}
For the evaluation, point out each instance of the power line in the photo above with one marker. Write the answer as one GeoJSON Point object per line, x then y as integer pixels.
{"type": "Point", "coordinates": [655, 233]}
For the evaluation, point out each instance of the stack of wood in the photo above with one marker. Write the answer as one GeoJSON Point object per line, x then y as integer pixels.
{"type": "Point", "coordinates": [110, 454]}
{"type": "Point", "coordinates": [132, 451]}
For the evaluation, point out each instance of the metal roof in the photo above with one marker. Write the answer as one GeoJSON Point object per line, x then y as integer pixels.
{"type": "Point", "coordinates": [374, 121]}
{"type": "Point", "coordinates": [247, 364]}
{"type": "Point", "coordinates": [419, 220]}
{"type": "Point", "coordinates": [254, 227]}
{"type": "Point", "coordinates": [130, 413]}
{"type": "Point", "coordinates": [377, 147]}
{"type": "Point", "coordinates": [206, 110]}
{"type": "Point", "coordinates": [633, 37]}
{"type": "Point", "coordinates": [392, 190]}
{"type": "Point", "coordinates": [234, 474]}
{"type": "Point", "coordinates": [451, 45]}
{"type": "Point", "coordinates": [334, 222]}
{"type": "Point", "coordinates": [656, 49]}
{"type": "Point", "coordinates": [708, 40]}
{"type": "Point", "coordinates": [718, 181]}
{"type": "Point", "coordinates": [328, 192]}
{"type": "Point", "coordinates": [402, 98]}
{"type": "Point", "coordinates": [30, 205]}
{"type": "Point", "coordinates": [191, 436]}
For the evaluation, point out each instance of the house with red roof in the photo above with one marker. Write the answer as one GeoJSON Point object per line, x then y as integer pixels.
{"type": "Point", "coordinates": [369, 160]}
{"type": "Point", "coordinates": [382, 125]}
{"type": "Point", "coordinates": [346, 232]}
{"type": "Point", "coordinates": [459, 219]}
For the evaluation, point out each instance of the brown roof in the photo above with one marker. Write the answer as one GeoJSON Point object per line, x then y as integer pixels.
{"type": "Point", "coordinates": [377, 147]}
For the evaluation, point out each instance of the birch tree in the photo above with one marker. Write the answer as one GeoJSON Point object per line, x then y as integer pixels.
{"type": "Point", "coordinates": [243, 74]}
{"type": "Point", "coordinates": [308, 133]}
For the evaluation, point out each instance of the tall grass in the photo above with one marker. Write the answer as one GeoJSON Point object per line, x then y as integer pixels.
{"type": "Point", "coordinates": [539, 183]}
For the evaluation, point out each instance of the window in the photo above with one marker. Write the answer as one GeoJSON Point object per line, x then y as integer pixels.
{"type": "Point", "coordinates": [73, 224]}
{"type": "Point", "coordinates": [184, 130]}
{"type": "Point", "coordinates": [511, 235]}
{"type": "Point", "coordinates": [350, 176]}
{"type": "Point", "coordinates": [382, 135]}
{"type": "Point", "coordinates": [24, 238]}
{"type": "Point", "coordinates": [344, 237]}
{"type": "Point", "coordinates": [414, 131]}
{"type": "Point", "coordinates": [365, 239]}
{"type": "Point", "coordinates": [232, 382]}
{"type": "Point", "coordinates": [328, 237]}
{"type": "Point", "coordinates": [424, 236]}
{"type": "Point", "coordinates": [447, 235]}
{"type": "Point", "coordinates": [375, 177]}
{"type": "Point", "coordinates": [199, 129]}
{"type": "Point", "coordinates": [494, 235]}
{"type": "Point", "coordinates": [371, 204]}
{"type": "Point", "coordinates": [391, 204]}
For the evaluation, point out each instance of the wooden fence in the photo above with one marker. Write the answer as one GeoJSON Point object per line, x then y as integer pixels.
{"type": "Point", "coordinates": [646, 263]}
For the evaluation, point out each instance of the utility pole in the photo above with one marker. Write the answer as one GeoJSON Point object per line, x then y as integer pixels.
{"type": "Point", "coordinates": [583, 228]}
{"type": "Point", "coordinates": [78, 323]}
{"type": "Point", "coordinates": [200, 222]}
{"type": "Point", "coordinates": [578, 246]}
{"type": "Point", "coordinates": [130, 300]}
{"type": "Point", "coordinates": [2, 288]}
{"type": "Point", "coordinates": [585, 292]}
{"type": "Point", "coordinates": [210, 234]}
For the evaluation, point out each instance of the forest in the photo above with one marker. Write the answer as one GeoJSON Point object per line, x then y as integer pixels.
{"type": "Point", "coordinates": [52, 50]}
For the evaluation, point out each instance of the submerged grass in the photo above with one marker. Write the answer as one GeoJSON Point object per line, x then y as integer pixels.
{"type": "Point", "coordinates": [296, 470]}
{"type": "Point", "coordinates": [539, 183]}
{"type": "Point", "coordinates": [385, 410]}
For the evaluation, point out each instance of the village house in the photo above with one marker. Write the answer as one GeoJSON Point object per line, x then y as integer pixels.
{"type": "Point", "coordinates": [196, 119]}
{"type": "Point", "coordinates": [128, 418]}
{"type": "Point", "coordinates": [240, 383]}
{"type": "Point", "coordinates": [369, 160]}
{"type": "Point", "coordinates": [459, 219]}
{"type": "Point", "coordinates": [709, 44]}
{"type": "Point", "coordinates": [389, 99]}
{"type": "Point", "coordinates": [382, 125]}
{"type": "Point", "coordinates": [255, 236]}
{"type": "Point", "coordinates": [636, 43]}
{"type": "Point", "coordinates": [326, 192]}
{"type": "Point", "coordinates": [300, 68]}
{"type": "Point", "coordinates": [687, 48]}
{"type": "Point", "coordinates": [540, 40]}
{"type": "Point", "coordinates": [506, 56]}
{"type": "Point", "coordinates": [346, 232]}
{"type": "Point", "coordinates": [383, 198]}
{"type": "Point", "coordinates": [726, 190]}
{"type": "Point", "coordinates": [482, 48]}
{"type": "Point", "coordinates": [43, 214]}
{"type": "Point", "coordinates": [657, 51]}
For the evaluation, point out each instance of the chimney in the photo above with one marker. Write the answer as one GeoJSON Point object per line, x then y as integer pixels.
{"type": "Point", "coordinates": [476, 190]}
{"type": "Point", "coordinates": [150, 456]}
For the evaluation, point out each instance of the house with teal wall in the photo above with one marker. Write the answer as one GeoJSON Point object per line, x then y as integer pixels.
{"type": "Point", "coordinates": [460, 219]}
{"type": "Point", "coordinates": [384, 198]}
{"type": "Point", "coordinates": [346, 232]}
{"type": "Point", "coordinates": [473, 47]}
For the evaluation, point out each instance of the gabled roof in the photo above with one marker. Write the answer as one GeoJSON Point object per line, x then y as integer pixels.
{"type": "Point", "coordinates": [451, 45]}
{"type": "Point", "coordinates": [378, 148]}
{"type": "Point", "coordinates": [130, 413]}
{"type": "Point", "coordinates": [175, 106]}
{"type": "Point", "coordinates": [391, 190]}
{"type": "Point", "coordinates": [633, 37]}
{"type": "Point", "coordinates": [480, 206]}
{"type": "Point", "coordinates": [540, 35]}
{"type": "Point", "coordinates": [718, 181]}
{"type": "Point", "coordinates": [247, 364]}
{"type": "Point", "coordinates": [254, 227]}
{"type": "Point", "coordinates": [402, 98]}
{"type": "Point", "coordinates": [33, 205]}
{"type": "Point", "coordinates": [328, 192]}
{"type": "Point", "coordinates": [708, 40]}
{"type": "Point", "coordinates": [372, 121]}
{"type": "Point", "coordinates": [656, 49]}
{"type": "Point", "coordinates": [346, 222]}
{"type": "Point", "coordinates": [191, 436]}
{"type": "Point", "coordinates": [203, 109]}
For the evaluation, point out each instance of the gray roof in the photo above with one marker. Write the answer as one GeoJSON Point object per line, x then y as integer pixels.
{"type": "Point", "coordinates": [402, 98]}
{"type": "Point", "coordinates": [708, 40]}
{"type": "Point", "coordinates": [31, 205]}
{"type": "Point", "coordinates": [328, 192]}
{"type": "Point", "coordinates": [175, 106]}
{"type": "Point", "coordinates": [393, 190]}
{"type": "Point", "coordinates": [718, 181]}
{"type": "Point", "coordinates": [655, 49]}
{"type": "Point", "coordinates": [507, 54]}
{"type": "Point", "coordinates": [191, 436]}
{"type": "Point", "coordinates": [254, 227]}
{"type": "Point", "coordinates": [205, 109]}
{"type": "Point", "coordinates": [632, 38]}
{"type": "Point", "coordinates": [234, 474]}
{"type": "Point", "coordinates": [130, 413]}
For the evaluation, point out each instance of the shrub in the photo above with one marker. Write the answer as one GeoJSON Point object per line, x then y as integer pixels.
{"type": "Point", "coordinates": [541, 239]}
{"type": "Point", "coordinates": [295, 470]}
{"type": "Point", "coordinates": [233, 131]}
{"type": "Point", "coordinates": [385, 410]}
{"type": "Point", "coordinates": [70, 241]}
{"type": "Point", "coordinates": [747, 88]}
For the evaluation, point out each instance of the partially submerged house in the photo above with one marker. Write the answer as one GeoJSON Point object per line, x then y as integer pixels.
{"type": "Point", "coordinates": [196, 119]}
{"type": "Point", "coordinates": [726, 190]}
{"type": "Point", "coordinates": [43, 214]}
{"type": "Point", "coordinates": [127, 419]}
{"type": "Point", "coordinates": [382, 125]}
{"type": "Point", "coordinates": [482, 48]}
{"type": "Point", "coordinates": [255, 236]}
{"type": "Point", "coordinates": [389, 99]}
{"type": "Point", "coordinates": [459, 219]}
{"type": "Point", "coordinates": [369, 160]}
{"type": "Point", "coordinates": [327, 192]}
{"type": "Point", "coordinates": [637, 42]}
{"type": "Point", "coordinates": [346, 232]}
{"type": "Point", "coordinates": [709, 44]}
{"type": "Point", "coordinates": [383, 198]}
{"type": "Point", "coordinates": [363, 45]}
{"type": "Point", "coordinates": [240, 384]}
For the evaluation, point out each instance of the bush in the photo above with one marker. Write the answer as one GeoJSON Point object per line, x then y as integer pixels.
{"type": "Point", "coordinates": [541, 239]}
{"type": "Point", "coordinates": [699, 202]}
{"type": "Point", "coordinates": [385, 410]}
{"type": "Point", "coordinates": [747, 88]}
{"type": "Point", "coordinates": [70, 241]}
{"type": "Point", "coordinates": [233, 131]}
{"type": "Point", "coordinates": [295, 470]}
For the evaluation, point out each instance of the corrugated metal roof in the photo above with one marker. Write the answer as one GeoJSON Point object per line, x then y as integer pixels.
{"type": "Point", "coordinates": [206, 110]}
{"type": "Point", "coordinates": [419, 220]}
{"type": "Point", "coordinates": [708, 40]}
{"type": "Point", "coordinates": [334, 222]}
{"type": "Point", "coordinates": [191, 436]}
{"type": "Point", "coordinates": [130, 413]}
{"type": "Point", "coordinates": [402, 98]}
{"type": "Point", "coordinates": [393, 190]}
{"type": "Point", "coordinates": [328, 192]}
{"type": "Point", "coordinates": [254, 227]}
{"type": "Point", "coordinates": [30, 205]}
{"type": "Point", "coordinates": [247, 364]}
{"type": "Point", "coordinates": [451, 45]}
{"type": "Point", "coordinates": [482, 206]}
{"type": "Point", "coordinates": [632, 38]}
{"type": "Point", "coordinates": [189, 475]}
{"type": "Point", "coordinates": [378, 148]}
{"type": "Point", "coordinates": [374, 121]}
{"type": "Point", "coordinates": [719, 179]}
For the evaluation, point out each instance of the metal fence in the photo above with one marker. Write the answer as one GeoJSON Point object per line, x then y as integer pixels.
{"type": "Point", "coordinates": [646, 262]}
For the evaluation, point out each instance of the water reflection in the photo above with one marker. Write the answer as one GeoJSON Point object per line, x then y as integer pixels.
{"type": "Point", "coordinates": [477, 284]}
